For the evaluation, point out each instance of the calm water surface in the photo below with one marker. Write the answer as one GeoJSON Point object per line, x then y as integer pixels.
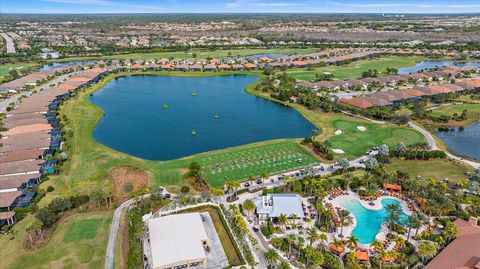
{"type": "Point", "coordinates": [466, 142]}
{"type": "Point", "coordinates": [432, 64]}
{"type": "Point", "coordinates": [221, 114]}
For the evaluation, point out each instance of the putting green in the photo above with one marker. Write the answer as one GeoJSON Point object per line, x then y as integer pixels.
{"type": "Point", "coordinates": [82, 230]}
{"type": "Point", "coordinates": [355, 142]}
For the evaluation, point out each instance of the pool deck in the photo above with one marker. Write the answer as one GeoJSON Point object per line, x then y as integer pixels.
{"type": "Point", "coordinates": [347, 231]}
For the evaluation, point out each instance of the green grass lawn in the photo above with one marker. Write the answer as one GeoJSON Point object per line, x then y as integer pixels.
{"type": "Point", "coordinates": [82, 229]}
{"type": "Point", "coordinates": [355, 143]}
{"type": "Point", "coordinates": [21, 67]}
{"type": "Point", "coordinates": [355, 69]}
{"type": "Point", "coordinates": [242, 163]}
{"type": "Point", "coordinates": [473, 109]}
{"type": "Point", "coordinates": [199, 54]}
{"type": "Point", "coordinates": [436, 168]}
{"type": "Point", "coordinates": [82, 252]}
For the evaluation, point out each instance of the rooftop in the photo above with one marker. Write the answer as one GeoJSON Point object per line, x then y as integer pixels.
{"type": "Point", "coordinates": [276, 204]}
{"type": "Point", "coordinates": [176, 238]}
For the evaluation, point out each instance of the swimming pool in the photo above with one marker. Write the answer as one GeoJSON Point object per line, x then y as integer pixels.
{"type": "Point", "coordinates": [369, 221]}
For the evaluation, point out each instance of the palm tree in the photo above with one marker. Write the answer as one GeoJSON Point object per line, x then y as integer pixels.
{"type": "Point", "coordinates": [216, 192]}
{"type": "Point", "coordinates": [338, 243]}
{"type": "Point", "coordinates": [293, 219]}
{"type": "Point", "coordinates": [251, 179]}
{"type": "Point", "coordinates": [376, 245]}
{"type": "Point", "coordinates": [264, 176]}
{"type": "Point", "coordinates": [283, 220]}
{"type": "Point", "coordinates": [411, 222]}
{"type": "Point", "coordinates": [316, 133]}
{"type": "Point", "coordinates": [271, 257]}
{"type": "Point", "coordinates": [394, 213]}
{"type": "Point", "coordinates": [249, 206]}
{"type": "Point", "coordinates": [291, 240]}
{"type": "Point", "coordinates": [427, 249]}
{"type": "Point", "coordinates": [352, 242]}
{"type": "Point", "coordinates": [233, 186]}
{"type": "Point", "coordinates": [399, 242]}
{"type": "Point", "coordinates": [284, 265]}
{"type": "Point", "coordinates": [312, 235]}
{"type": "Point", "coordinates": [288, 182]}
{"type": "Point", "coordinates": [345, 219]}
{"type": "Point", "coordinates": [351, 259]}
{"type": "Point", "coordinates": [323, 239]}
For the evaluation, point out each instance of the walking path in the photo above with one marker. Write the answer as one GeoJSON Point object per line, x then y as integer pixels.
{"type": "Point", "coordinates": [433, 145]}
{"type": "Point", "coordinates": [9, 42]}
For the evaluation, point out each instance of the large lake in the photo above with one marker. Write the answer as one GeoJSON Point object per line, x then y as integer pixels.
{"type": "Point", "coordinates": [466, 142]}
{"type": "Point", "coordinates": [222, 114]}
{"type": "Point", "coordinates": [432, 64]}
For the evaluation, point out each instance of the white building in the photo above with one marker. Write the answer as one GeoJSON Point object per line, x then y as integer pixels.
{"type": "Point", "coordinates": [271, 206]}
{"type": "Point", "coordinates": [177, 241]}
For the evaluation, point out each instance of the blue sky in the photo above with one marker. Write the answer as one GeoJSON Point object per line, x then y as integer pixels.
{"type": "Point", "coordinates": [239, 6]}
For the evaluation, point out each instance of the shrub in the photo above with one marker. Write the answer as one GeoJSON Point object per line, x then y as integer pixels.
{"type": "Point", "coordinates": [50, 188]}
{"type": "Point", "coordinates": [185, 189]}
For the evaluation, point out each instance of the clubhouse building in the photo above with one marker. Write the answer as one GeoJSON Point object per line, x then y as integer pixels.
{"type": "Point", "coordinates": [271, 206]}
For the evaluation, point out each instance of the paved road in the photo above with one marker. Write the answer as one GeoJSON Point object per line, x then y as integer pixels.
{"type": "Point", "coordinates": [14, 98]}
{"type": "Point", "coordinates": [9, 42]}
{"type": "Point", "coordinates": [433, 145]}
{"type": "Point", "coordinates": [112, 239]}
{"type": "Point", "coordinates": [110, 254]}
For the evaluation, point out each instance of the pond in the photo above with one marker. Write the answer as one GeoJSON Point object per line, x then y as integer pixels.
{"type": "Point", "coordinates": [432, 64]}
{"type": "Point", "coordinates": [165, 117]}
{"type": "Point", "coordinates": [464, 142]}
{"type": "Point", "coordinates": [369, 221]}
{"type": "Point", "coordinates": [50, 66]}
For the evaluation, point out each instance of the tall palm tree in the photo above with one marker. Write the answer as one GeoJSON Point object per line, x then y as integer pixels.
{"type": "Point", "coordinates": [345, 219]}
{"type": "Point", "coordinates": [264, 176]}
{"type": "Point", "coordinates": [352, 242]}
{"type": "Point", "coordinates": [312, 235]}
{"type": "Point", "coordinates": [411, 222]}
{"type": "Point", "coordinates": [288, 182]}
{"type": "Point", "coordinates": [249, 206]}
{"type": "Point", "coordinates": [394, 213]}
{"type": "Point", "coordinates": [283, 220]}
{"type": "Point", "coordinates": [233, 186]}
{"type": "Point", "coordinates": [271, 257]}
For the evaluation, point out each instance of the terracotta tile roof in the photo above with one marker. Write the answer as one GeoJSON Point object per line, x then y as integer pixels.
{"type": "Point", "coordinates": [7, 198]}
{"type": "Point", "coordinates": [66, 86]}
{"type": "Point", "coordinates": [224, 66]}
{"type": "Point", "coordinates": [27, 129]}
{"type": "Point", "coordinates": [413, 92]}
{"type": "Point", "coordinates": [6, 215]}
{"type": "Point", "coordinates": [463, 252]}
{"type": "Point", "coordinates": [441, 89]}
{"type": "Point", "coordinates": [357, 102]}
{"type": "Point", "coordinates": [362, 255]}
{"type": "Point", "coordinates": [9, 182]}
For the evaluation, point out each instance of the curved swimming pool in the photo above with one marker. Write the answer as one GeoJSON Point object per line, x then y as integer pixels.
{"type": "Point", "coordinates": [369, 221]}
